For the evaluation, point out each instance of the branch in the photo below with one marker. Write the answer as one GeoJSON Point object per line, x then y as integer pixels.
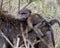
{"type": "Point", "coordinates": [6, 39]}
{"type": "Point", "coordinates": [1, 4]}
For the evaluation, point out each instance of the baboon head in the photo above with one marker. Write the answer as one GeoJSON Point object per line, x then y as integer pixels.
{"type": "Point", "coordinates": [24, 13]}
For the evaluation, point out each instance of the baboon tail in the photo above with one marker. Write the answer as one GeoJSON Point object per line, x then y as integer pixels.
{"type": "Point", "coordinates": [52, 22]}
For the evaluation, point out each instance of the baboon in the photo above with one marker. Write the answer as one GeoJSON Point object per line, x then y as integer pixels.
{"type": "Point", "coordinates": [10, 26]}
{"type": "Point", "coordinates": [45, 26]}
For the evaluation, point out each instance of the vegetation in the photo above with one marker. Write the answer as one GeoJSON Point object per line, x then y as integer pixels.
{"type": "Point", "coordinates": [49, 9]}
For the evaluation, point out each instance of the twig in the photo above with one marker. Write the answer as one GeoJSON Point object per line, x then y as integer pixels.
{"type": "Point", "coordinates": [7, 39]}
{"type": "Point", "coordinates": [18, 5]}
{"type": "Point", "coordinates": [24, 38]}
{"type": "Point", "coordinates": [17, 43]}
{"type": "Point", "coordinates": [10, 5]}
{"type": "Point", "coordinates": [1, 4]}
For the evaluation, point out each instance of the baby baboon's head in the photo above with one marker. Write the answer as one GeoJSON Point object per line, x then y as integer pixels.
{"type": "Point", "coordinates": [24, 13]}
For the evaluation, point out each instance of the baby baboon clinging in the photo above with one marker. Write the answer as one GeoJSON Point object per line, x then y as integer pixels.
{"type": "Point", "coordinates": [45, 28]}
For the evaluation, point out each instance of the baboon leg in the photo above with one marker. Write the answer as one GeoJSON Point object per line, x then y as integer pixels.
{"type": "Point", "coordinates": [52, 22]}
{"type": "Point", "coordinates": [51, 41]}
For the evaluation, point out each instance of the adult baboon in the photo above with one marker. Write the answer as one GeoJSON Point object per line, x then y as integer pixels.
{"type": "Point", "coordinates": [10, 26]}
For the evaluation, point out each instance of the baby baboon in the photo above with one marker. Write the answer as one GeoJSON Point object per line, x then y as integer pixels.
{"type": "Point", "coordinates": [44, 26]}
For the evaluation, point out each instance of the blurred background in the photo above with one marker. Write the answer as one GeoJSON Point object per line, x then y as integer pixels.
{"type": "Point", "coordinates": [48, 9]}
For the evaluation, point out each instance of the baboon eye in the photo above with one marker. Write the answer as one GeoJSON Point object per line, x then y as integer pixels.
{"type": "Point", "coordinates": [23, 13]}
